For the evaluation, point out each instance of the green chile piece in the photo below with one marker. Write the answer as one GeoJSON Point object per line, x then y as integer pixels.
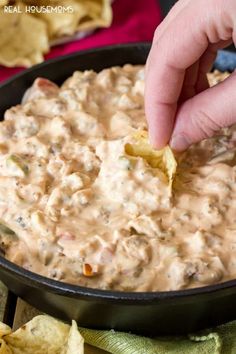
{"type": "Point", "coordinates": [6, 230]}
{"type": "Point", "coordinates": [18, 163]}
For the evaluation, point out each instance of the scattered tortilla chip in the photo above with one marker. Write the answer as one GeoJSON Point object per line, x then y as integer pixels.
{"type": "Point", "coordinates": [75, 342]}
{"type": "Point", "coordinates": [99, 14]}
{"type": "Point", "coordinates": [63, 24]}
{"type": "Point", "coordinates": [87, 15]}
{"type": "Point", "coordinates": [163, 159]}
{"type": "Point", "coordinates": [4, 329]}
{"type": "Point", "coordinates": [40, 2]}
{"type": "Point", "coordinates": [43, 334]}
{"type": "Point", "coordinates": [3, 2]}
{"type": "Point", "coordinates": [23, 39]}
{"type": "Point", "coordinates": [4, 349]}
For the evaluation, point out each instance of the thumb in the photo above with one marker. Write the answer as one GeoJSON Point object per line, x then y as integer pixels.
{"type": "Point", "coordinates": [203, 115]}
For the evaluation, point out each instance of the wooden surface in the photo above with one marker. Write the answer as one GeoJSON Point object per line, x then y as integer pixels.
{"type": "Point", "coordinates": [16, 312]}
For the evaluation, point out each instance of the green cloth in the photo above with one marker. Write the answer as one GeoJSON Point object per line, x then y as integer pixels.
{"type": "Point", "coordinates": [221, 340]}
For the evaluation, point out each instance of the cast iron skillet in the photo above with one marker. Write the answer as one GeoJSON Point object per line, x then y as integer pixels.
{"type": "Point", "coordinates": [147, 313]}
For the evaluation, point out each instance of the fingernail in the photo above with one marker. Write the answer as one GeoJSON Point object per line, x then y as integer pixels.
{"type": "Point", "coordinates": [179, 143]}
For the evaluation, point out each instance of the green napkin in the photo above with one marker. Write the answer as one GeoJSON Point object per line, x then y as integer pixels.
{"type": "Point", "coordinates": [221, 339]}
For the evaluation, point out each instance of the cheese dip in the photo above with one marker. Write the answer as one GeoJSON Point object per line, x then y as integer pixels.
{"type": "Point", "coordinates": [76, 208]}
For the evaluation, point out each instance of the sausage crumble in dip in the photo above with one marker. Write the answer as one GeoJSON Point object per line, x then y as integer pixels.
{"type": "Point", "coordinates": [76, 208]}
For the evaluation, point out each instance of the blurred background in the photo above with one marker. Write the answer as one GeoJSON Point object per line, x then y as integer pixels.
{"type": "Point", "coordinates": [166, 5]}
{"type": "Point", "coordinates": [108, 22]}
{"type": "Point", "coordinates": [94, 23]}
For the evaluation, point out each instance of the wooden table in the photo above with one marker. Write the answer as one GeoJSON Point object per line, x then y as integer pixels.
{"type": "Point", "coordinates": [15, 312]}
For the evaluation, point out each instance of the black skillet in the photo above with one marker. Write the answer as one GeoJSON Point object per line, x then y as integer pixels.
{"type": "Point", "coordinates": [147, 313]}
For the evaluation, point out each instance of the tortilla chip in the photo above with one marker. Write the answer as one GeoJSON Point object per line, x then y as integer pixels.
{"type": "Point", "coordinates": [86, 15]}
{"type": "Point", "coordinates": [23, 39]}
{"type": "Point", "coordinates": [4, 349]}
{"type": "Point", "coordinates": [75, 343]}
{"type": "Point", "coordinates": [99, 14]}
{"type": "Point", "coordinates": [63, 24]}
{"type": "Point", "coordinates": [163, 159]}
{"type": "Point", "coordinates": [43, 334]}
{"type": "Point", "coordinates": [4, 329]}
{"type": "Point", "coordinates": [40, 2]}
{"type": "Point", "coordinates": [3, 2]}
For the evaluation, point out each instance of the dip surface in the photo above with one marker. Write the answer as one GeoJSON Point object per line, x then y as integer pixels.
{"type": "Point", "coordinates": [75, 207]}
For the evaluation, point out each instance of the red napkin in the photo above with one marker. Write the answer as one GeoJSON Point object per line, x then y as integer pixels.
{"type": "Point", "coordinates": [133, 21]}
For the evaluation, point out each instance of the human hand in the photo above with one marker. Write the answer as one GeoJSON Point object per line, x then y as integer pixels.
{"type": "Point", "coordinates": [180, 107]}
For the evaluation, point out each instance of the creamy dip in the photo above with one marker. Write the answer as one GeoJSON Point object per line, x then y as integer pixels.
{"type": "Point", "coordinates": [76, 208]}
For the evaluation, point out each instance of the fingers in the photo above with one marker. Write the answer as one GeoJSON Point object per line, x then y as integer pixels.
{"type": "Point", "coordinates": [168, 60]}
{"type": "Point", "coordinates": [174, 11]}
{"type": "Point", "coordinates": [161, 105]}
{"type": "Point", "coordinates": [204, 114]}
{"type": "Point", "coordinates": [189, 84]}
{"type": "Point", "coordinates": [195, 80]}
{"type": "Point", "coordinates": [175, 49]}
{"type": "Point", "coordinates": [205, 65]}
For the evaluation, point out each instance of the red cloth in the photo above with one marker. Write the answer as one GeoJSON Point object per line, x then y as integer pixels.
{"type": "Point", "coordinates": [133, 21]}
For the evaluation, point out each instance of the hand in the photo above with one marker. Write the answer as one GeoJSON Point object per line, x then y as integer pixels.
{"type": "Point", "coordinates": [180, 107]}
